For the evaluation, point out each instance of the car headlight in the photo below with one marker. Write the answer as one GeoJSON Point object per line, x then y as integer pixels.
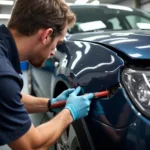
{"type": "Point", "coordinates": [137, 85]}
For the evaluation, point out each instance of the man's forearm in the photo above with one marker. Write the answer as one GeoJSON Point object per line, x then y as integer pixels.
{"type": "Point", "coordinates": [55, 127]}
{"type": "Point", "coordinates": [45, 135]}
{"type": "Point", "coordinates": [34, 104]}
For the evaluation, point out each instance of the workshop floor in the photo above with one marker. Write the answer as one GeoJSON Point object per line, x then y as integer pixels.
{"type": "Point", "coordinates": [25, 90]}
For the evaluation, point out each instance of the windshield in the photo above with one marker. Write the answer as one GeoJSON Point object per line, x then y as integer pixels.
{"type": "Point", "coordinates": [95, 18]}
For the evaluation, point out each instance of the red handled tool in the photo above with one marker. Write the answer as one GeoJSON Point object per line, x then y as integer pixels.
{"type": "Point", "coordinates": [63, 102]}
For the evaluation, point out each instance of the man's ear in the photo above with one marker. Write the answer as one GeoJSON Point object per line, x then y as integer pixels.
{"type": "Point", "coordinates": [46, 35]}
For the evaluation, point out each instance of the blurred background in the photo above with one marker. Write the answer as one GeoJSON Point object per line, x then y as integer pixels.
{"type": "Point", "coordinates": [6, 5]}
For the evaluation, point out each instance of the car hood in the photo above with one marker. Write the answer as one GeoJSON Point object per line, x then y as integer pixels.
{"type": "Point", "coordinates": [135, 44]}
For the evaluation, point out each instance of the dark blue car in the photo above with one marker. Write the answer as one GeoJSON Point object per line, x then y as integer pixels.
{"type": "Point", "coordinates": [107, 49]}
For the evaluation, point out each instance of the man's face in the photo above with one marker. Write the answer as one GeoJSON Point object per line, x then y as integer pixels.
{"type": "Point", "coordinates": [46, 50]}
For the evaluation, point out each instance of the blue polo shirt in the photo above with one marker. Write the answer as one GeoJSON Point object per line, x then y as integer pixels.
{"type": "Point", "coordinates": [14, 119]}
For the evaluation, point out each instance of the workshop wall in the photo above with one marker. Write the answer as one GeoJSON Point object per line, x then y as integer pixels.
{"type": "Point", "coordinates": [3, 21]}
{"type": "Point", "coordinates": [130, 3]}
{"type": "Point", "coordinates": [146, 7]}
{"type": "Point", "coordinates": [5, 10]}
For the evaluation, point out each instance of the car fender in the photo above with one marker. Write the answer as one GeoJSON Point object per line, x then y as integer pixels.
{"type": "Point", "coordinates": [89, 65]}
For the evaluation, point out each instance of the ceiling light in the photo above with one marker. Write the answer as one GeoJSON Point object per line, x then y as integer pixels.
{"type": "Point", "coordinates": [143, 26]}
{"type": "Point", "coordinates": [96, 2]}
{"type": "Point", "coordinates": [94, 25]}
{"type": "Point", "coordinates": [119, 7]}
{"type": "Point", "coordinates": [81, 1]}
{"type": "Point", "coordinates": [6, 2]}
{"type": "Point", "coordinates": [5, 16]}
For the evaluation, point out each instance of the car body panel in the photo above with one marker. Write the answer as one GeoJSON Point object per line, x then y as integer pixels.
{"type": "Point", "coordinates": [82, 71]}
{"type": "Point", "coordinates": [106, 73]}
{"type": "Point", "coordinates": [120, 114]}
{"type": "Point", "coordinates": [134, 44]}
{"type": "Point", "coordinates": [93, 61]}
{"type": "Point", "coordinates": [117, 110]}
{"type": "Point", "coordinates": [103, 72]}
{"type": "Point", "coordinates": [132, 137]}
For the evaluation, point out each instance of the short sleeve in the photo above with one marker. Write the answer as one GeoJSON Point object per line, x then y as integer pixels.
{"type": "Point", "coordinates": [14, 119]}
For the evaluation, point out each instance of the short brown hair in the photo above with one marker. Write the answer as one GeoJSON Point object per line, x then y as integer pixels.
{"type": "Point", "coordinates": [28, 16]}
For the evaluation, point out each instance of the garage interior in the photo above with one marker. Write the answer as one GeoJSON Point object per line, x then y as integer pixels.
{"type": "Point", "coordinates": [5, 13]}
{"type": "Point", "coordinates": [6, 5]}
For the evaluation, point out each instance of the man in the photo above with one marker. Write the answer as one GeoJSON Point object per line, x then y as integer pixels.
{"type": "Point", "coordinates": [35, 28]}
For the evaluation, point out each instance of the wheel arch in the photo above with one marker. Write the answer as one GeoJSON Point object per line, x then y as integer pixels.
{"type": "Point", "coordinates": [59, 87]}
{"type": "Point", "coordinates": [79, 127]}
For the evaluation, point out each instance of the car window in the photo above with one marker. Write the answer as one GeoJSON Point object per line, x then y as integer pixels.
{"type": "Point", "coordinates": [95, 18]}
{"type": "Point", "coordinates": [135, 21]}
{"type": "Point", "coordinates": [115, 23]}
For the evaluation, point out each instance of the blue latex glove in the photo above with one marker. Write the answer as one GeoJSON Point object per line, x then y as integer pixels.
{"type": "Point", "coordinates": [63, 96]}
{"type": "Point", "coordinates": [97, 109]}
{"type": "Point", "coordinates": [79, 106]}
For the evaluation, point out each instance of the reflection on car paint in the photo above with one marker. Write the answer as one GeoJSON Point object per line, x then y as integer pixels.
{"type": "Point", "coordinates": [143, 47]}
{"type": "Point", "coordinates": [116, 117]}
{"type": "Point", "coordinates": [103, 63]}
{"type": "Point", "coordinates": [123, 41]}
{"type": "Point", "coordinates": [90, 68]}
{"type": "Point", "coordinates": [112, 39]}
{"type": "Point", "coordinates": [96, 37]}
{"type": "Point", "coordinates": [132, 43]}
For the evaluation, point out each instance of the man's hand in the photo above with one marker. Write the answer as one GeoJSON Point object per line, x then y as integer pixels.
{"type": "Point", "coordinates": [79, 106]}
{"type": "Point", "coordinates": [63, 96]}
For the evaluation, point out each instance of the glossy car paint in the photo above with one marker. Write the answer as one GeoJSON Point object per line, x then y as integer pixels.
{"type": "Point", "coordinates": [95, 61]}
{"type": "Point", "coordinates": [134, 44]}
{"type": "Point", "coordinates": [135, 136]}
{"type": "Point", "coordinates": [103, 72]}
{"type": "Point", "coordinates": [100, 74]}
{"type": "Point", "coordinates": [89, 64]}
